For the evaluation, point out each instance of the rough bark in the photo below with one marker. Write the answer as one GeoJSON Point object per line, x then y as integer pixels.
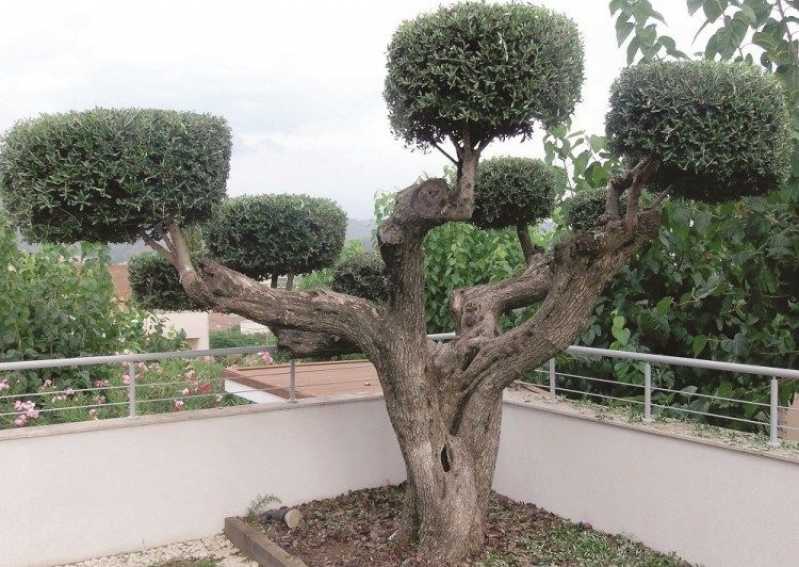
{"type": "Point", "coordinates": [444, 400]}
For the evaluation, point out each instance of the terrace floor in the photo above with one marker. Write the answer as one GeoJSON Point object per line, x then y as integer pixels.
{"type": "Point", "coordinates": [312, 379]}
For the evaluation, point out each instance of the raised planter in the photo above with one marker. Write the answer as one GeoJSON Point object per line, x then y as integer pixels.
{"type": "Point", "coordinates": [255, 545]}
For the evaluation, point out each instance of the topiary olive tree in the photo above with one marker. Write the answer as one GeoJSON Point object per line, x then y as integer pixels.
{"type": "Point", "coordinates": [273, 235]}
{"type": "Point", "coordinates": [466, 75]}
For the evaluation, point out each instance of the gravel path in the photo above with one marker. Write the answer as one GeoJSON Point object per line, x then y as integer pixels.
{"type": "Point", "coordinates": [215, 547]}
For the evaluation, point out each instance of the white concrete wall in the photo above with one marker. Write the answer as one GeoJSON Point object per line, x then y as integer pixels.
{"type": "Point", "coordinates": [193, 323]}
{"type": "Point", "coordinates": [92, 489]}
{"type": "Point", "coordinates": [82, 490]}
{"type": "Point", "coordinates": [710, 505]}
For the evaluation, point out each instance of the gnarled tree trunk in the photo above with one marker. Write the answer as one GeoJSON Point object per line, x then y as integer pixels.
{"type": "Point", "coordinates": [444, 399]}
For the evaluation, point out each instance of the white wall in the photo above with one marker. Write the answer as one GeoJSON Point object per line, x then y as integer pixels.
{"type": "Point", "coordinates": [193, 323]}
{"type": "Point", "coordinates": [70, 492]}
{"type": "Point", "coordinates": [710, 505]}
{"type": "Point", "coordinates": [65, 497]}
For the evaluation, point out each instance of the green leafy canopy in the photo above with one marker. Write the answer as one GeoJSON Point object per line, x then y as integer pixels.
{"type": "Point", "coordinates": [511, 191]}
{"type": "Point", "coordinates": [491, 70]}
{"type": "Point", "coordinates": [268, 235]}
{"type": "Point", "coordinates": [719, 130]}
{"type": "Point", "coordinates": [109, 175]}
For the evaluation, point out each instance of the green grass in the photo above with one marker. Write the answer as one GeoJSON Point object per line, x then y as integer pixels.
{"type": "Point", "coordinates": [574, 546]}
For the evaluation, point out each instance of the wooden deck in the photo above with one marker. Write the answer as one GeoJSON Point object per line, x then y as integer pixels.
{"type": "Point", "coordinates": [313, 379]}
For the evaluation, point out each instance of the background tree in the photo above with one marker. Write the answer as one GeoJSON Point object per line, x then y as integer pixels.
{"type": "Point", "coordinates": [154, 284]}
{"type": "Point", "coordinates": [720, 281]}
{"type": "Point", "coordinates": [267, 236]}
{"type": "Point", "coordinates": [465, 76]}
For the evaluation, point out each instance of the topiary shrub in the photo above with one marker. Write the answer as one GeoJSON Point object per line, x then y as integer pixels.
{"type": "Point", "coordinates": [583, 209]}
{"type": "Point", "coordinates": [154, 284]}
{"type": "Point", "coordinates": [111, 174]}
{"type": "Point", "coordinates": [720, 131]}
{"type": "Point", "coordinates": [490, 69]}
{"type": "Point", "coordinates": [512, 191]}
{"type": "Point", "coordinates": [271, 235]}
{"type": "Point", "coordinates": [361, 275]}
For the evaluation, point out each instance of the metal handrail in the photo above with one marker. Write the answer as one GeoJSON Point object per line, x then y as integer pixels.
{"type": "Point", "coordinates": [648, 359]}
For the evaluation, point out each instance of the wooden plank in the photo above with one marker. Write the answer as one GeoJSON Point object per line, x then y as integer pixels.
{"type": "Point", "coordinates": [255, 545]}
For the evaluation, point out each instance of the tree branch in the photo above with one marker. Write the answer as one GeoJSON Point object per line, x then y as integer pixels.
{"type": "Point", "coordinates": [446, 154]}
{"type": "Point", "coordinates": [351, 319]}
{"type": "Point", "coordinates": [528, 248]}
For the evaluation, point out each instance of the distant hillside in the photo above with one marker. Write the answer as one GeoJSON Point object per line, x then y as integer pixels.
{"type": "Point", "coordinates": [357, 229]}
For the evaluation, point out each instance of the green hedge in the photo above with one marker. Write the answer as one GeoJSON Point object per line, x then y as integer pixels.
{"type": "Point", "coordinates": [510, 191]}
{"type": "Point", "coordinates": [108, 175]}
{"type": "Point", "coordinates": [719, 130]}
{"type": "Point", "coordinates": [268, 235]}
{"type": "Point", "coordinates": [494, 69]}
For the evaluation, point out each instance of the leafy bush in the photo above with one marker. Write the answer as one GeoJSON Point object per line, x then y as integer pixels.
{"type": "Point", "coordinates": [510, 191]}
{"type": "Point", "coordinates": [491, 69]}
{"type": "Point", "coordinates": [362, 276]}
{"type": "Point", "coordinates": [720, 130]}
{"type": "Point", "coordinates": [232, 338]}
{"type": "Point", "coordinates": [53, 306]}
{"type": "Point", "coordinates": [108, 175]}
{"type": "Point", "coordinates": [271, 235]}
{"type": "Point", "coordinates": [154, 284]}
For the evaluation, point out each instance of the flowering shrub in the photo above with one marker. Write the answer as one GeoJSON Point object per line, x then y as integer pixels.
{"type": "Point", "coordinates": [171, 385]}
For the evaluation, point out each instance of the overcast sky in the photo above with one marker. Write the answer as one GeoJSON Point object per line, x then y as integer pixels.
{"type": "Point", "coordinates": [300, 82]}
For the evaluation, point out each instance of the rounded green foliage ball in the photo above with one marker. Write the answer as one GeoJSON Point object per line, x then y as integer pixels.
{"type": "Point", "coordinates": [267, 235]}
{"type": "Point", "coordinates": [720, 131]}
{"type": "Point", "coordinates": [583, 209]}
{"type": "Point", "coordinates": [361, 275]}
{"type": "Point", "coordinates": [510, 191]}
{"type": "Point", "coordinates": [155, 284]}
{"type": "Point", "coordinates": [109, 175]}
{"type": "Point", "coordinates": [490, 69]}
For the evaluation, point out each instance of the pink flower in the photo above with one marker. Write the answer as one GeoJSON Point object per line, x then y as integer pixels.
{"type": "Point", "coordinates": [126, 379]}
{"type": "Point", "coordinates": [20, 421]}
{"type": "Point", "coordinates": [266, 357]}
{"type": "Point", "coordinates": [185, 391]}
{"type": "Point", "coordinates": [4, 385]}
{"type": "Point", "coordinates": [179, 405]}
{"type": "Point", "coordinates": [69, 391]}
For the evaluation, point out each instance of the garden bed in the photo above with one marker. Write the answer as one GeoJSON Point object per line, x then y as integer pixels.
{"type": "Point", "coordinates": [355, 529]}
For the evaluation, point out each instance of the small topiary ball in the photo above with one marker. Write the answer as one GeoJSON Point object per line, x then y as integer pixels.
{"type": "Point", "coordinates": [267, 235]}
{"type": "Point", "coordinates": [583, 210]}
{"type": "Point", "coordinates": [362, 276]}
{"type": "Point", "coordinates": [510, 191]}
{"type": "Point", "coordinates": [491, 69]}
{"type": "Point", "coordinates": [155, 284]}
{"type": "Point", "coordinates": [108, 175]}
{"type": "Point", "coordinates": [720, 131]}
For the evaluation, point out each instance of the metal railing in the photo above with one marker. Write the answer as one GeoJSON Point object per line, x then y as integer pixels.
{"type": "Point", "coordinates": [133, 384]}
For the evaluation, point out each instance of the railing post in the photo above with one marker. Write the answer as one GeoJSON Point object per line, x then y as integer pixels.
{"type": "Point", "coordinates": [774, 428]}
{"type": "Point", "coordinates": [552, 378]}
{"type": "Point", "coordinates": [648, 393]}
{"type": "Point", "coordinates": [292, 381]}
{"type": "Point", "coordinates": [132, 390]}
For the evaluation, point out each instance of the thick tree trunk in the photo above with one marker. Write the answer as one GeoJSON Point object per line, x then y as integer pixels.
{"type": "Point", "coordinates": [449, 463]}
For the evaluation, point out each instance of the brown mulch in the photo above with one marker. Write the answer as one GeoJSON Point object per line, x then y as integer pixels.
{"type": "Point", "coordinates": [354, 530]}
